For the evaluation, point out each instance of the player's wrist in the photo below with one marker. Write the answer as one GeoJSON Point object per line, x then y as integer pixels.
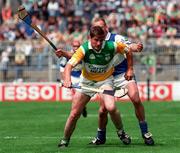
{"type": "Point", "coordinates": [130, 68]}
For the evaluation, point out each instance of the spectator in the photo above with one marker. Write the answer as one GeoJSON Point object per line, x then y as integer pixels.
{"type": "Point", "coordinates": [53, 8]}
{"type": "Point", "coordinates": [28, 48]}
{"type": "Point", "coordinates": [6, 13]}
{"type": "Point", "coordinates": [9, 33]}
{"type": "Point", "coordinates": [27, 4]}
{"type": "Point", "coordinates": [4, 64]}
{"type": "Point", "coordinates": [20, 60]}
{"type": "Point", "coordinates": [41, 49]}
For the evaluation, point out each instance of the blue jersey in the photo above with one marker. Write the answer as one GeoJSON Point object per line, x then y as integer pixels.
{"type": "Point", "coordinates": [120, 66]}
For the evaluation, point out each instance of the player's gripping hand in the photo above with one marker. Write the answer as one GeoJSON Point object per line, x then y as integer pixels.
{"type": "Point", "coordinates": [136, 47]}
{"type": "Point", "coordinates": [59, 52]}
{"type": "Point", "coordinates": [67, 83]}
{"type": "Point", "coordinates": [139, 47]}
{"type": "Point", "coordinates": [129, 74]}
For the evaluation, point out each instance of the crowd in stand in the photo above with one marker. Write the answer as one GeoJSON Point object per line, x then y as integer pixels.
{"type": "Point", "coordinates": [137, 19]}
{"type": "Point", "coordinates": [64, 20]}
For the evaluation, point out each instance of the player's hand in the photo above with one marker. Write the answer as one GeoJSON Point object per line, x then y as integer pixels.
{"type": "Point", "coordinates": [136, 47]}
{"type": "Point", "coordinates": [59, 52]}
{"type": "Point", "coordinates": [139, 47]}
{"type": "Point", "coordinates": [67, 83]}
{"type": "Point", "coordinates": [129, 74]}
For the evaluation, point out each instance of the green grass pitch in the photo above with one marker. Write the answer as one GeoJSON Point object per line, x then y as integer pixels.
{"type": "Point", "coordinates": [37, 128]}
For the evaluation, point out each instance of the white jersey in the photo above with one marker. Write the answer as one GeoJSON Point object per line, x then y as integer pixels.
{"type": "Point", "coordinates": [75, 73]}
{"type": "Point", "coordinates": [118, 61]}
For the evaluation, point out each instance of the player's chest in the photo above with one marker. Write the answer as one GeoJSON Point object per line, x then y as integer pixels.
{"type": "Point", "coordinates": [98, 58]}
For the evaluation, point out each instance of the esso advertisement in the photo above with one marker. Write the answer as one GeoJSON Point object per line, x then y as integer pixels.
{"type": "Point", "coordinates": [66, 94]}
{"type": "Point", "coordinates": [29, 92]}
{"type": "Point", "coordinates": [158, 92]}
{"type": "Point", "coordinates": [40, 92]}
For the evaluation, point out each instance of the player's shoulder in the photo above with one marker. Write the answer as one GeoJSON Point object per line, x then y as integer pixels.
{"type": "Point", "coordinates": [120, 38]}
{"type": "Point", "coordinates": [85, 45]}
{"type": "Point", "coordinates": [109, 45]}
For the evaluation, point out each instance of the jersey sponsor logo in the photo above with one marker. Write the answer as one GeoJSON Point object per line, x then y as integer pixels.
{"type": "Point", "coordinates": [96, 68]}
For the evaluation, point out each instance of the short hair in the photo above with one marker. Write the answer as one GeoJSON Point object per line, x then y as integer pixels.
{"type": "Point", "coordinates": [99, 19]}
{"type": "Point", "coordinates": [96, 31]}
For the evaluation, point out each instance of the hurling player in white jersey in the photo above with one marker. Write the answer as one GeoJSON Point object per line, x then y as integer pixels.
{"type": "Point", "coordinates": [120, 81]}
{"type": "Point", "coordinates": [75, 74]}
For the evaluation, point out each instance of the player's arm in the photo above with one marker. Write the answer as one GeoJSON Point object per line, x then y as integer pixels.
{"type": "Point", "coordinates": [127, 50]}
{"type": "Point", "coordinates": [136, 47]}
{"type": "Point", "coordinates": [60, 53]}
{"type": "Point", "coordinates": [122, 48]}
{"type": "Point", "coordinates": [75, 59]}
{"type": "Point", "coordinates": [130, 72]}
{"type": "Point", "coordinates": [67, 74]}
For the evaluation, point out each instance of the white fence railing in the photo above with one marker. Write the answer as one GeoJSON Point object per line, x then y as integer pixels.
{"type": "Point", "coordinates": [159, 63]}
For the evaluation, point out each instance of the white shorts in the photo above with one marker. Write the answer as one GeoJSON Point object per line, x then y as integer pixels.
{"type": "Point", "coordinates": [120, 81]}
{"type": "Point", "coordinates": [100, 84]}
{"type": "Point", "coordinates": [75, 80]}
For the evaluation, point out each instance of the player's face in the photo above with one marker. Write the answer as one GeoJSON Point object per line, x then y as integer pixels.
{"type": "Point", "coordinates": [75, 46]}
{"type": "Point", "coordinates": [97, 41]}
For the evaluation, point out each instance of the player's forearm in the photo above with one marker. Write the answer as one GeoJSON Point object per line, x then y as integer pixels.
{"type": "Point", "coordinates": [63, 53]}
{"type": "Point", "coordinates": [129, 57]}
{"type": "Point", "coordinates": [67, 54]}
{"type": "Point", "coordinates": [129, 73]}
{"type": "Point", "coordinates": [67, 75]}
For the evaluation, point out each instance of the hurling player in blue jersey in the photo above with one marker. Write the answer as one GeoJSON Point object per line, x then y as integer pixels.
{"type": "Point", "coordinates": [120, 81]}
{"type": "Point", "coordinates": [76, 72]}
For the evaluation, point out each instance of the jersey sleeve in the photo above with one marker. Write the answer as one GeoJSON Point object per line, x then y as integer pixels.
{"type": "Point", "coordinates": [121, 48]}
{"type": "Point", "coordinates": [120, 38]}
{"type": "Point", "coordinates": [62, 63]}
{"type": "Point", "coordinates": [77, 56]}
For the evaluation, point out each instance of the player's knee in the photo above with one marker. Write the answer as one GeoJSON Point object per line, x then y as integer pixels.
{"type": "Point", "coordinates": [74, 115]}
{"type": "Point", "coordinates": [134, 96]}
{"type": "Point", "coordinates": [111, 109]}
{"type": "Point", "coordinates": [103, 110]}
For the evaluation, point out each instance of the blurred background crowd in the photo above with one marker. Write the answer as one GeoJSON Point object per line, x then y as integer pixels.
{"type": "Point", "coordinates": [156, 23]}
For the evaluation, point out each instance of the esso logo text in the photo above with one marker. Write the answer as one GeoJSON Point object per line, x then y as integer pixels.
{"type": "Point", "coordinates": [30, 93]}
{"type": "Point", "coordinates": [157, 92]}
